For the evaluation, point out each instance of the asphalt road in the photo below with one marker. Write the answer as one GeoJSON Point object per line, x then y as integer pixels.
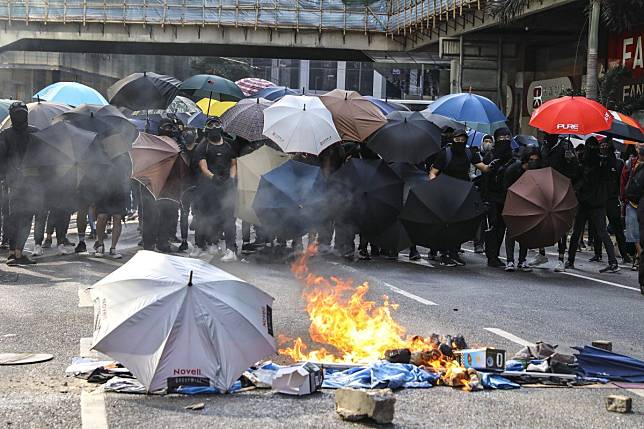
{"type": "Point", "coordinates": [41, 310]}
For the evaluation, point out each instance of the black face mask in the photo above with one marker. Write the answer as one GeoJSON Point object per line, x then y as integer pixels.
{"type": "Point", "coordinates": [503, 149]}
{"type": "Point", "coordinates": [213, 134]}
{"type": "Point", "coordinates": [458, 147]}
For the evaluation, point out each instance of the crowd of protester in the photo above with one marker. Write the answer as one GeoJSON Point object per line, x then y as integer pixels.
{"type": "Point", "coordinates": [608, 184]}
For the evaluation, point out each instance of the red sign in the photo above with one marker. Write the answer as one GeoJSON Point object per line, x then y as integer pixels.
{"type": "Point", "coordinates": [627, 49]}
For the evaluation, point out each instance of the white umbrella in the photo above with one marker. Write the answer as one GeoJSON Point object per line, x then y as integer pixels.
{"type": "Point", "coordinates": [300, 124]}
{"type": "Point", "coordinates": [180, 321]}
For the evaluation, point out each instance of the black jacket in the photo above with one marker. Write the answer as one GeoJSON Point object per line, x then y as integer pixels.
{"type": "Point", "coordinates": [555, 157]}
{"type": "Point", "coordinates": [592, 184]}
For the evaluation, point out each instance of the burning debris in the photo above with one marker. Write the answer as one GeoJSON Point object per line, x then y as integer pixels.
{"type": "Point", "coordinates": [360, 331]}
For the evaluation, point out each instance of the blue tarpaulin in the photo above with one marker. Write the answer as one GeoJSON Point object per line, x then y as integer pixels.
{"type": "Point", "coordinates": [380, 374]}
{"type": "Point", "coordinates": [595, 362]}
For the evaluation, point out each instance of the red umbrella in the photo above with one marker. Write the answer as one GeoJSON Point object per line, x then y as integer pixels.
{"type": "Point", "coordinates": [571, 115]}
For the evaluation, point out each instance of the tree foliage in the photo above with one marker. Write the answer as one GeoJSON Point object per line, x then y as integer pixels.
{"type": "Point", "coordinates": [622, 15]}
{"type": "Point", "coordinates": [611, 86]}
{"type": "Point", "coordinates": [224, 67]}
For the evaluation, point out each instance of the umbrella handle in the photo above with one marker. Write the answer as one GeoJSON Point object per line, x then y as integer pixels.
{"type": "Point", "coordinates": [190, 280]}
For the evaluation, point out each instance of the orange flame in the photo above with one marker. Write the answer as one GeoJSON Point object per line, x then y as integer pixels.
{"type": "Point", "coordinates": [357, 330]}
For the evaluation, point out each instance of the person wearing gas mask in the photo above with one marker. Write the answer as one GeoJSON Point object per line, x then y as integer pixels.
{"type": "Point", "coordinates": [592, 194]}
{"type": "Point", "coordinates": [188, 145]}
{"type": "Point", "coordinates": [24, 187]}
{"type": "Point", "coordinates": [529, 159]}
{"type": "Point", "coordinates": [218, 168]}
{"type": "Point", "coordinates": [455, 160]}
{"type": "Point", "coordinates": [560, 156]}
{"type": "Point", "coordinates": [493, 193]}
{"type": "Point", "coordinates": [487, 145]}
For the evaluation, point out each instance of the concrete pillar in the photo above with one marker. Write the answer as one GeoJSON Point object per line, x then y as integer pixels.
{"type": "Point", "coordinates": [275, 71]}
{"type": "Point", "coordinates": [304, 75]}
{"type": "Point", "coordinates": [379, 85]}
{"type": "Point", "coordinates": [342, 75]}
{"type": "Point", "coordinates": [455, 77]}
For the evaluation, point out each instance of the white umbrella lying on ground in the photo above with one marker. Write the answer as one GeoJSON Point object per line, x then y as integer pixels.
{"type": "Point", "coordinates": [300, 124]}
{"type": "Point", "coordinates": [180, 321]}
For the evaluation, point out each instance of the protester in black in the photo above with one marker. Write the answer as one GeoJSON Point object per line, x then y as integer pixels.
{"type": "Point", "coordinates": [455, 160]}
{"type": "Point", "coordinates": [592, 193]}
{"type": "Point", "coordinates": [24, 187]}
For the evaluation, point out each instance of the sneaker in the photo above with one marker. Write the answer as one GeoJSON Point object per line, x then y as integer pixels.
{"type": "Point", "coordinates": [213, 250]}
{"type": "Point", "coordinates": [509, 267]}
{"type": "Point", "coordinates": [99, 249]}
{"type": "Point", "coordinates": [495, 263]}
{"type": "Point", "coordinates": [539, 260]}
{"type": "Point", "coordinates": [61, 250]}
{"type": "Point", "coordinates": [114, 254]}
{"type": "Point", "coordinates": [4, 245]}
{"type": "Point", "coordinates": [196, 252]}
{"type": "Point", "coordinates": [363, 255]}
{"type": "Point", "coordinates": [560, 267]}
{"type": "Point", "coordinates": [37, 250]}
{"type": "Point", "coordinates": [10, 257]}
{"type": "Point", "coordinates": [458, 259]}
{"type": "Point", "coordinates": [183, 247]}
{"type": "Point", "coordinates": [81, 247]}
{"type": "Point", "coordinates": [636, 266]}
{"type": "Point", "coordinates": [414, 255]}
{"type": "Point", "coordinates": [446, 261]}
{"type": "Point", "coordinates": [66, 242]}
{"type": "Point", "coordinates": [596, 258]}
{"type": "Point", "coordinates": [479, 248]}
{"type": "Point", "coordinates": [23, 260]}
{"type": "Point", "coordinates": [611, 268]}
{"type": "Point", "coordinates": [229, 256]}
{"type": "Point", "coordinates": [524, 267]}
{"type": "Point", "coordinates": [47, 243]}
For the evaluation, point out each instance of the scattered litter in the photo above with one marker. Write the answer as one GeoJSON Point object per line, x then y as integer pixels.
{"type": "Point", "coordinates": [82, 365]}
{"type": "Point", "coordinates": [301, 379]}
{"type": "Point", "coordinates": [619, 404]}
{"type": "Point", "coordinates": [604, 345]}
{"type": "Point", "coordinates": [24, 358]}
{"type": "Point", "coordinates": [381, 374]}
{"type": "Point", "coordinates": [195, 407]}
{"type": "Point", "coordinates": [262, 376]}
{"type": "Point", "coordinates": [124, 385]}
{"type": "Point", "coordinates": [485, 359]}
{"type": "Point", "coordinates": [495, 381]}
{"type": "Point", "coordinates": [359, 404]}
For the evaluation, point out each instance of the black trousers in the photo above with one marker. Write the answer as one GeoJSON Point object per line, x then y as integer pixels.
{"type": "Point", "coordinates": [217, 214]}
{"type": "Point", "coordinates": [495, 232]}
{"type": "Point", "coordinates": [597, 216]}
{"type": "Point", "coordinates": [509, 250]}
{"type": "Point", "coordinates": [614, 214]}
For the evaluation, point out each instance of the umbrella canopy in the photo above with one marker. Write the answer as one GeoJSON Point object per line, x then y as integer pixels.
{"type": "Point", "coordinates": [355, 117]}
{"type": "Point", "coordinates": [4, 108]}
{"type": "Point", "coordinates": [71, 93]}
{"type": "Point", "coordinates": [41, 114]}
{"type": "Point", "coordinates": [290, 198]}
{"type": "Point", "coordinates": [475, 111]}
{"type": "Point", "coordinates": [197, 120]}
{"type": "Point", "coordinates": [525, 140]}
{"type": "Point", "coordinates": [115, 133]}
{"type": "Point", "coordinates": [158, 164]}
{"type": "Point", "coordinates": [440, 121]}
{"type": "Point", "coordinates": [407, 137]}
{"type": "Point", "coordinates": [540, 208]}
{"type": "Point", "coordinates": [596, 362]}
{"type": "Point", "coordinates": [146, 125]}
{"type": "Point", "coordinates": [214, 107]}
{"type": "Point", "coordinates": [386, 107]}
{"type": "Point", "coordinates": [183, 105]}
{"type": "Point", "coordinates": [274, 93]}
{"type": "Point", "coordinates": [624, 127]}
{"type": "Point", "coordinates": [300, 124]}
{"type": "Point", "coordinates": [142, 91]}
{"type": "Point", "coordinates": [368, 193]}
{"type": "Point", "coordinates": [181, 321]}
{"type": "Point", "coordinates": [212, 87]}
{"type": "Point", "coordinates": [395, 236]}
{"type": "Point", "coordinates": [250, 169]}
{"type": "Point", "coordinates": [67, 155]}
{"type": "Point", "coordinates": [571, 115]}
{"type": "Point", "coordinates": [442, 213]}
{"type": "Point", "coordinates": [252, 85]}
{"type": "Point", "coordinates": [246, 119]}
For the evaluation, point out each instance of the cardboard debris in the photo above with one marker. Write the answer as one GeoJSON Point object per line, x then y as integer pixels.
{"type": "Point", "coordinates": [483, 359]}
{"type": "Point", "coordinates": [301, 379]}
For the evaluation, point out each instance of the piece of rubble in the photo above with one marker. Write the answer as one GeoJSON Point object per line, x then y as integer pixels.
{"type": "Point", "coordinates": [619, 403]}
{"type": "Point", "coordinates": [359, 404]}
{"type": "Point", "coordinates": [195, 407]}
{"type": "Point", "coordinates": [398, 355]}
{"type": "Point", "coordinates": [604, 345]}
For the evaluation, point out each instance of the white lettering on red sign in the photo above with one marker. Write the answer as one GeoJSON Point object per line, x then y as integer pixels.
{"type": "Point", "coordinates": [568, 127]}
{"type": "Point", "coordinates": [637, 55]}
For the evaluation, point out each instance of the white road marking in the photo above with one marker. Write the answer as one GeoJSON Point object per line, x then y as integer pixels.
{"type": "Point", "coordinates": [600, 281]}
{"type": "Point", "coordinates": [84, 299]}
{"type": "Point", "coordinates": [509, 336]}
{"type": "Point", "coordinates": [93, 414]}
{"type": "Point", "coordinates": [392, 287]}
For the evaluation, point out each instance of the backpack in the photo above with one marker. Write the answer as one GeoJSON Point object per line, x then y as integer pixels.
{"type": "Point", "coordinates": [635, 186]}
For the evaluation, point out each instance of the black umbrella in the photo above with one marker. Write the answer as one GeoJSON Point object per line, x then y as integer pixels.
{"type": "Point", "coordinates": [67, 156]}
{"type": "Point", "coordinates": [212, 87]}
{"type": "Point", "coordinates": [407, 137]}
{"type": "Point", "coordinates": [442, 213]}
{"type": "Point", "coordinates": [368, 194]}
{"type": "Point", "coordinates": [143, 91]}
{"type": "Point", "coordinates": [441, 121]}
{"type": "Point", "coordinates": [41, 114]}
{"type": "Point", "coordinates": [290, 199]}
{"type": "Point", "coordinates": [115, 132]}
{"type": "Point", "coordinates": [622, 130]}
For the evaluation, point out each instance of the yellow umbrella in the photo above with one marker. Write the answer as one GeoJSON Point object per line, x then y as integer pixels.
{"type": "Point", "coordinates": [214, 107]}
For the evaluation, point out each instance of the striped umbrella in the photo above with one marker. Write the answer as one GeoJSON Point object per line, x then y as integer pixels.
{"type": "Point", "coordinates": [251, 85]}
{"type": "Point", "coordinates": [626, 121]}
{"type": "Point", "coordinates": [246, 119]}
